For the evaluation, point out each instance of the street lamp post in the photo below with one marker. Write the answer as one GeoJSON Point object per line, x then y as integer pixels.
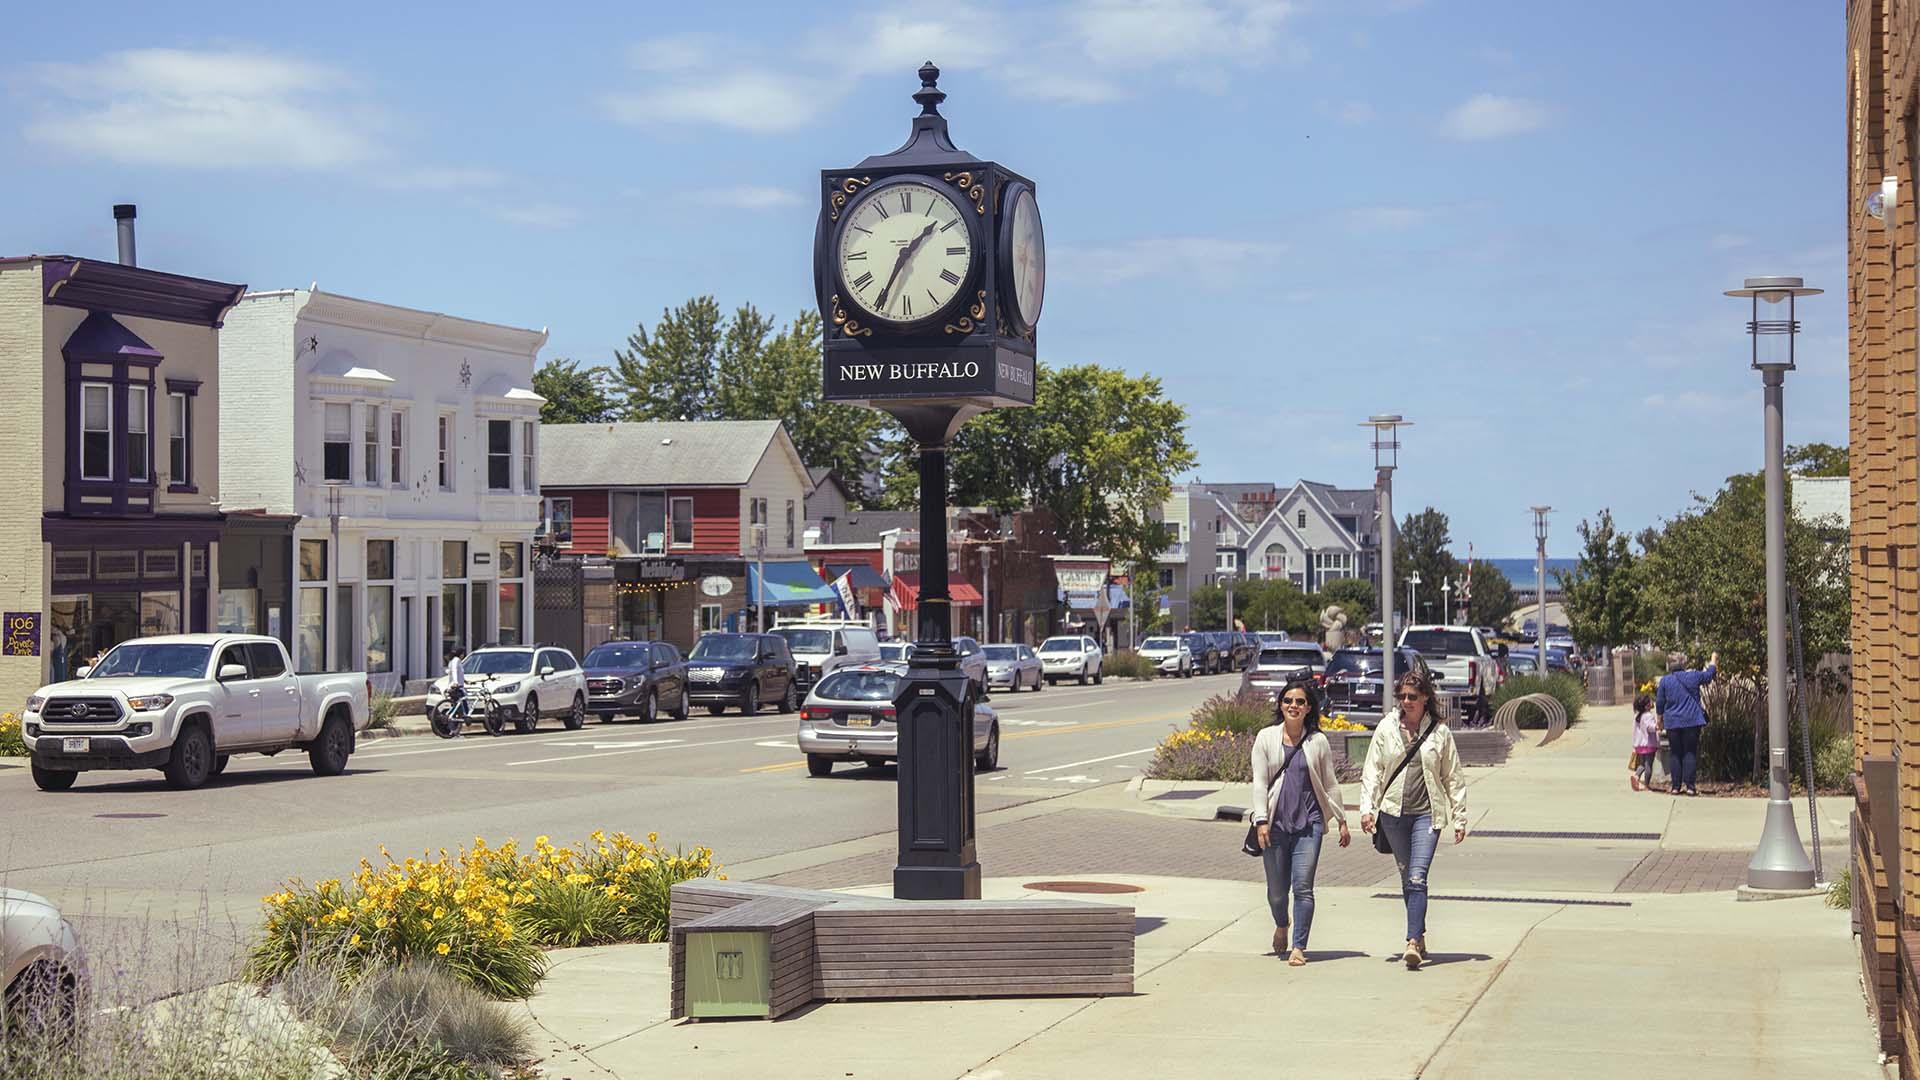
{"type": "Point", "coordinates": [1386, 458]}
{"type": "Point", "coordinates": [1227, 580]}
{"type": "Point", "coordinates": [1413, 596]}
{"type": "Point", "coordinates": [1781, 861]}
{"type": "Point", "coordinates": [1446, 600]}
{"type": "Point", "coordinates": [1540, 586]}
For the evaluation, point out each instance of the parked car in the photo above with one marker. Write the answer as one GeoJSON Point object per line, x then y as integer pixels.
{"type": "Point", "coordinates": [1238, 648]}
{"type": "Point", "coordinates": [1274, 665]}
{"type": "Point", "coordinates": [1169, 655]}
{"type": "Point", "coordinates": [743, 670]}
{"type": "Point", "coordinates": [42, 967]}
{"type": "Point", "coordinates": [1013, 666]}
{"type": "Point", "coordinates": [973, 661]}
{"type": "Point", "coordinates": [1353, 679]}
{"type": "Point", "coordinates": [526, 682]}
{"type": "Point", "coordinates": [896, 652]}
{"type": "Point", "coordinates": [184, 704]}
{"type": "Point", "coordinates": [1072, 657]}
{"type": "Point", "coordinates": [1526, 662]}
{"type": "Point", "coordinates": [1273, 637]}
{"type": "Point", "coordinates": [1462, 664]}
{"type": "Point", "coordinates": [1207, 658]}
{"type": "Point", "coordinates": [850, 716]}
{"type": "Point", "coordinates": [820, 646]}
{"type": "Point", "coordinates": [635, 678]}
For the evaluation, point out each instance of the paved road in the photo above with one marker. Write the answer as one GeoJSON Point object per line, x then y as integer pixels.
{"type": "Point", "coordinates": [124, 850]}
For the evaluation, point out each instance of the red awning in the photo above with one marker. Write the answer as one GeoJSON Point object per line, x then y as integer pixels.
{"type": "Point", "coordinates": [963, 593]}
{"type": "Point", "coordinates": [906, 592]}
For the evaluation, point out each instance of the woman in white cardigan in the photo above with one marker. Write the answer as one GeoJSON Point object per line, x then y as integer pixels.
{"type": "Point", "coordinates": [1296, 794]}
{"type": "Point", "coordinates": [1425, 799]}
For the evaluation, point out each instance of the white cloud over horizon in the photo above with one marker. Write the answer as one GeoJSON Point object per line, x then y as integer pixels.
{"type": "Point", "coordinates": [1489, 116]}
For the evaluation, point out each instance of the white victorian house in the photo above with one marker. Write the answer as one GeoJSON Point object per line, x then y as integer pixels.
{"type": "Point", "coordinates": [1313, 534]}
{"type": "Point", "coordinates": [405, 443]}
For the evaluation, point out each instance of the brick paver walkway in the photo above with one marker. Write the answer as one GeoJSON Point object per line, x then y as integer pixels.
{"type": "Point", "coordinates": [1687, 872]}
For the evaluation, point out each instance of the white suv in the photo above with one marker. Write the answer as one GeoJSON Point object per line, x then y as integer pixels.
{"type": "Point", "coordinates": [527, 681]}
{"type": "Point", "coordinates": [1072, 657]}
{"type": "Point", "coordinates": [823, 646]}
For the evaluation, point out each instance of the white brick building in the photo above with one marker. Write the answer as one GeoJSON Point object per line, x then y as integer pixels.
{"type": "Point", "coordinates": [405, 442]}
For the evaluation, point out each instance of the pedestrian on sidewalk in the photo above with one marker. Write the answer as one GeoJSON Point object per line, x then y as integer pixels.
{"type": "Point", "coordinates": [1413, 781]}
{"type": "Point", "coordinates": [1676, 702]}
{"type": "Point", "coordinates": [1296, 793]}
{"type": "Point", "coordinates": [1646, 742]}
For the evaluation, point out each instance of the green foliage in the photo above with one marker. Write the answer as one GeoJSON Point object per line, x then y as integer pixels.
{"type": "Point", "coordinates": [1817, 459]}
{"type": "Point", "coordinates": [667, 374]}
{"type": "Point", "coordinates": [12, 743]}
{"type": "Point", "coordinates": [1239, 713]}
{"type": "Point", "coordinates": [1603, 589]}
{"type": "Point", "coordinates": [1569, 690]}
{"type": "Point", "coordinates": [1195, 754]}
{"type": "Point", "coordinates": [1705, 572]}
{"type": "Point", "coordinates": [1833, 762]}
{"type": "Point", "coordinates": [1127, 664]}
{"type": "Point", "coordinates": [412, 1020]}
{"type": "Point", "coordinates": [574, 396]}
{"type": "Point", "coordinates": [1492, 599]}
{"type": "Point", "coordinates": [383, 713]}
{"type": "Point", "coordinates": [1422, 545]}
{"type": "Point", "coordinates": [1840, 891]}
{"type": "Point", "coordinates": [1357, 597]}
{"type": "Point", "coordinates": [1276, 604]}
{"type": "Point", "coordinates": [1207, 608]}
{"type": "Point", "coordinates": [1736, 728]}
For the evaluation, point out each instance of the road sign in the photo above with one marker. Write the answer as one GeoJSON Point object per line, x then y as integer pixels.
{"type": "Point", "coordinates": [1100, 608]}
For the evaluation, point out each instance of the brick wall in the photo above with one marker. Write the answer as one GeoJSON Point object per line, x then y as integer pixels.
{"type": "Point", "coordinates": [23, 586]}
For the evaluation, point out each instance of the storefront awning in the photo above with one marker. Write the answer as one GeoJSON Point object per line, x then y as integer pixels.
{"type": "Point", "coordinates": [864, 576]}
{"type": "Point", "coordinates": [788, 584]}
{"type": "Point", "coordinates": [906, 592]}
{"type": "Point", "coordinates": [1117, 599]}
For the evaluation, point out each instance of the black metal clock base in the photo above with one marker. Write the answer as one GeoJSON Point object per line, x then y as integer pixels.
{"type": "Point", "coordinates": [937, 882]}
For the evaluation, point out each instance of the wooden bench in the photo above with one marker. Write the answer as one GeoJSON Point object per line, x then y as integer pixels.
{"type": "Point", "coordinates": [839, 947]}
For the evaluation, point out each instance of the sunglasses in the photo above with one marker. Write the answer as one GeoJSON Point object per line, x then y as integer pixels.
{"type": "Point", "coordinates": [1295, 702]}
{"type": "Point", "coordinates": [1413, 697]}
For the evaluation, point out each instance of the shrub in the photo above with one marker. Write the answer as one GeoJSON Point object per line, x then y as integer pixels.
{"type": "Point", "coordinates": [1239, 713]}
{"type": "Point", "coordinates": [412, 1020]}
{"type": "Point", "coordinates": [383, 713]}
{"type": "Point", "coordinates": [1198, 753]}
{"type": "Point", "coordinates": [11, 744]}
{"type": "Point", "coordinates": [1840, 891]}
{"type": "Point", "coordinates": [1833, 762]}
{"type": "Point", "coordinates": [484, 912]}
{"type": "Point", "coordinates": [1737, 725]}
{"type": "Point", "coordinates": [1127, 664]}
{"type": "Point", "coordinates": [1569, 690]}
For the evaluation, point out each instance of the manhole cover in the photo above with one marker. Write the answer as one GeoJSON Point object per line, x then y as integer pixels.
{"type": "Point", "coordinates": [1082, 887]}
{"type": "Point", "coordinates": [129, 815]}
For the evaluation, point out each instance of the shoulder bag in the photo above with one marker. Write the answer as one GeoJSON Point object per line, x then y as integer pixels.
{"type": "Point", "coordinates": [1379, 835]}
{"type": "Point", "coordinates": [1251, 845]}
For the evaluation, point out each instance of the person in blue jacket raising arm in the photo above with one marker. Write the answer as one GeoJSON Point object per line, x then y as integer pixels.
{"type": "Point", "coordinates": [1677, 702]}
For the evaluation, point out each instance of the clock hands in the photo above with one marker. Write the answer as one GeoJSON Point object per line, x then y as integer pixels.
{"type": "Point", "coordinates": [901, 262]}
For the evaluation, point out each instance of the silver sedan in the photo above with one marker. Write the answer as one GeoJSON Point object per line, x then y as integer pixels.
{"type": "Point", "coordinates": [850, 716]}
{"type": "Point", "coordinates": [1015, 667]}
{"type": "Point", "coordinates": [42, 968]}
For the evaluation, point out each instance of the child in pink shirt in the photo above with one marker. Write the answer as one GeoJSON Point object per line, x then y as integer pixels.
{"type": "Point", "coordinates": [1646, 742]}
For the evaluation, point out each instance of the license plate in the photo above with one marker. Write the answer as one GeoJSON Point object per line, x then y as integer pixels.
{"type": "Point", "coordinates": [859, 720]}
{"type": "Point", "coordinates": [76, 746]}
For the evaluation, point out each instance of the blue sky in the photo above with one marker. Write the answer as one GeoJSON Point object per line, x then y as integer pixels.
{"type": "Point", "coordinates": [1511, 222]}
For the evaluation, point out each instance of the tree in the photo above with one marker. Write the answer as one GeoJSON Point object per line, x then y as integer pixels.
{"type": "Point", "coordinates": [1492, 599]}
{"type": "Point", "coordinates": [1817, 459]}
{"type": "Point", "coordinates": [1207, 608]}
{"type": "Point", "coordinates": [1602, 590]}
{"type": "Point", "coordinates": [668, 374]}
{"type": "Point", "coordinates": [1422, 546]}
{"type": "Point", "coordinates": [1276, 604]}
{"type": "Point", "coordinates": [1356, 596]}
{"type": "Point", "coordinates": [1703, 580]}
{"type": "Point", "coordinates": [574, 396]}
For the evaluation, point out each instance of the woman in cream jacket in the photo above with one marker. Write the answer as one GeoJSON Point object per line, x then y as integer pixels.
{"type": "Point", "coordinates": [1296, 795]}
{"type": "Point", "coordinates": [1429, 796]}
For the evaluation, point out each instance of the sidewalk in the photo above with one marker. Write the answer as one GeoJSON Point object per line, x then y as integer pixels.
{"type": "Point", "coordinates": [1546, 962]}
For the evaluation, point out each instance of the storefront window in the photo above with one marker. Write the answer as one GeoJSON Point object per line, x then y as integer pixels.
{"type": "Point", "coordinates": [159, 613]}
{"type": "Point", "coordinates": [453, 618]}
{"type": "Point", "coordinates": [313, 560]}
{"type": "Point", "coordinates": [69, 635]}
{"type": "Point", "coordinates": [343, 626]}
{"type": "Point", "coordinates": [239, 611]}
{"type": "Point", "coordinates": [642, 615]}
{"type": "Point", "coordinates": [509, 613]}
{"type": "Point", "coordinates": [310, 636]}
{"type": "Point", "coordinates": [482, 605]}
{"type": "Point", "coordinates": [379, 628]}
{"type": "Point", "coordinates": [710, 619]}
{"type": "Point", "coordinates": [453, 559]}
{"type": "Point", "coordinates": [380, 560]}
{"type": "Point", "coordinates": [510, 559]}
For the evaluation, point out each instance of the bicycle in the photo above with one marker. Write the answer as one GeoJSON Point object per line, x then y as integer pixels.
{"type": "Point", "coordinates": [450, 718]}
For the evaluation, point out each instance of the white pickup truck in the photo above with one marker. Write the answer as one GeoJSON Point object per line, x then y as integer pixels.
{"type": "Point", "coordinates": [1464, 669]}
{"type": "Point", "coordinates": [186, 702]}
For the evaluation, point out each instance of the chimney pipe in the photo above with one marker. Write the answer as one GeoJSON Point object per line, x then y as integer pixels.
{"type": "Point", "coordinates": [123, 222]}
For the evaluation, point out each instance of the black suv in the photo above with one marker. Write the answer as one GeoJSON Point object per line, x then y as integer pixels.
{"type": "Point", "coordinates": [1206, 652]}
{"type": "Point", "coordinates": [743, 670]}
{"type": "Point", "coordinates": [636, 678]}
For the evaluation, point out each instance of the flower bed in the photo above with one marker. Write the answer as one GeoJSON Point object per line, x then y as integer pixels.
{"type": "Point", "coordinates": [1217, 744]}
{"type": "Point", "coordinates": [11, 743]}
{"type": "Point", "coordinates": [486, 913]}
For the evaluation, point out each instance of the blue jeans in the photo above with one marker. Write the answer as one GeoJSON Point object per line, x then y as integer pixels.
{"type": "Point", "coordinates": [1290, 859]}
{"type": "Point", "coordinates": [1683, 745]}
{"type": "Point", "coordinates": [1413, 842]}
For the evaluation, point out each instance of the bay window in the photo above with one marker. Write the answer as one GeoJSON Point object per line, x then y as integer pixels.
{"type": "Point", "coordinates": [96, 431]}
{"type": "Point", "coordinates": [526, 458]}
{"type": "Point", "coordinates": [337, 443]}
{"type": "Point", "coordinates": [397, 449]}
{"type": "Point", "coordinates": [139, 439]}
{"type": "Point", "coordinates": [446, 452]}
{"type": "Point", "coordinates": [372, 446]}
{"type": "Point", "coordinates": [499, 455]}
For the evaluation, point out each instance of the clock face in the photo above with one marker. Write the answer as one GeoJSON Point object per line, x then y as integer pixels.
{"type": "Point", "coordinates": [905, 251]}
{"type": "Point", "coordinates": [1029, 257]}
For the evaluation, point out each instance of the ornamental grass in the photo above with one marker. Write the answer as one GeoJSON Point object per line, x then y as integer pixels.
{"type": "Point", "coordinates": [485, 913]}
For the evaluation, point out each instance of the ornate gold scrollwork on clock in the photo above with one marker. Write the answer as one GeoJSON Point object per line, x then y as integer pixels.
{"type": "Point", "coordinates": [976, 192]}
{"type": "Point", "coordinates": [975, 316]}
{"type": "Point", "coordinates": [848, 325]}
{"type": "Point", "coordinates": [847, 187]}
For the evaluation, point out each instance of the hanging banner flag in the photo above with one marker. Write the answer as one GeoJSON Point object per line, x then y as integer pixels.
{"type": "Point", "coordinates": [843, 587]}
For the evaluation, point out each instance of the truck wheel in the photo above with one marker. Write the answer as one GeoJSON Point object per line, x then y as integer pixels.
{"type": "Point", "coordinates": [989, 759]}
{"type": "Point", "coordinates": [819, 764]}
{"type": "Point", "coordinates": [328, 754]}
{"type": "Point", "coordinates": [220, 763]}
{"type": "Point", "coordinates": [53, 779]}
{"type": "Point", "coordinates": [191, 763]}
{"type": "Point", "coordinates": [577, 713]}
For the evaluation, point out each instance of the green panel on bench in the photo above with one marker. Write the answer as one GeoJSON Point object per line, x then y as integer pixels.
{"type": "Point", "coordinates": [729, 973]}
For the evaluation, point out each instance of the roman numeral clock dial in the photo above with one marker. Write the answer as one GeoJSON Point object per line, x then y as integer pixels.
{"type": "Point", "coordinates": [905, 252]}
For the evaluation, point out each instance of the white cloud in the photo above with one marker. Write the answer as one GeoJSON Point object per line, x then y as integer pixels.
{"type": "Point", "coordinates": [1143, 33]}
{"type": "Point", "coordinates": [673, 52]}
{"type": "Point", "coordinates": [1209, 258]}
{"type": "Point", "coordinates": [749, 101]}
{"type": "Point", "coordinates": [745, 197]}
{"type": "Point", "coordinates": [1354, 113]}
{"type": "Point", "coordinates": [540, 215]}
{"type": "Point", "coordinates": [1727, 241]}
{"type": "Point", "coordinates": [235, 108]}
{"type": "Point", "coordinates": [440, 179]}
{"type": "Point", "coordinates": [1386, 218]}
{"type": "Point", "coordinates": [1063, 87]}
{"type": "Point", "coordinates": [1489, 116]}
{"type": "Point", "coordinates": [1694, 403]}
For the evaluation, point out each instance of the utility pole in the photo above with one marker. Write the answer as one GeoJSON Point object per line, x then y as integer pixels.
{"type": "Point", "coordinates": [986, 591]}
{"type": "Point", "coordinates": [1540, 583]}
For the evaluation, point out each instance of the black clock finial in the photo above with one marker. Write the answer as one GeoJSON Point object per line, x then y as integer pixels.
{"type": "Point", "coordinates": [929, 96]}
